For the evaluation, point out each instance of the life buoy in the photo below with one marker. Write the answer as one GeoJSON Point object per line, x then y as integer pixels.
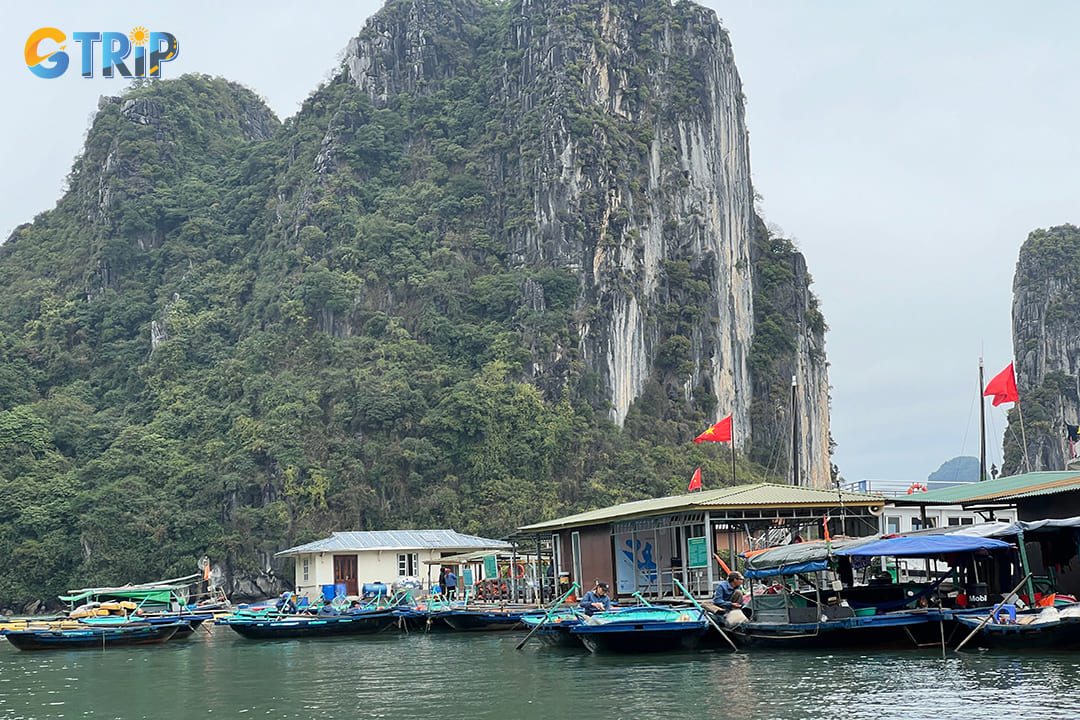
{"type": "Point", "coordinates": [519, 571]}
{"type": "Point", "coordinates": [916, 487]}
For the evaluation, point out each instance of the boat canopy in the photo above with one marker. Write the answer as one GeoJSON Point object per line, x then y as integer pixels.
{"type": "Point", "coordinates": [798, 557]}
{"type": "Point", "coordinates": [156, 595]}
{"type": "Point", "coordinates": [1037, 526]}
{"type": "Point", "coordinates": [925, 546]}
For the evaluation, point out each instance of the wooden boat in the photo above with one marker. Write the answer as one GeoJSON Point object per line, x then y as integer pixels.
{"type": "Point", "coordinates": [92, 636]}
{"type": "Point", "coordinates": [791, 618]}
{"type": "Point", "coordinates": [188, 623]}
{"type": "Point", "coordinates": [555, 631]}
{"type": "Point", "coordinates": [273, 626]}
{"type": "Point", "coordinates": [477, 619]}
{"type": "Point", "coordinates": [1039, 629]}
{"type": "Point", "coordinates": [645, 629]}
{"type": "Point", "coordinates": [174, 595]}
{"type": "Point", "coordinates": [421, 618]}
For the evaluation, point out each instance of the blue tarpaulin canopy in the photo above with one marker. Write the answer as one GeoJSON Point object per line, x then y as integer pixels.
{"type": "Point", "coordinates": [924, 546]}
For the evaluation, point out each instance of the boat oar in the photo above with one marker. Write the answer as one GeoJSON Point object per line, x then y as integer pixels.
{"type": "Point", "coordinates": [547, 615]}
{"type": "Point", "coordinates": [992, 613]}
{"type": "Point", "coordinates": [705, 614]}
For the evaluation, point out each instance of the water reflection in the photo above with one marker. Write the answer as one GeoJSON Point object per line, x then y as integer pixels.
{"type": "Point", "coordinates": [483, 676]}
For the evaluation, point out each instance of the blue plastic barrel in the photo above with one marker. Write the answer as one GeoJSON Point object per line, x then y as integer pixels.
{"type": "Point", "coordinates": [371, 589]}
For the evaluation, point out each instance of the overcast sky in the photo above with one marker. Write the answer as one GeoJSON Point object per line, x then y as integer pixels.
{"type": "Point", "coordinates": [908, 151]}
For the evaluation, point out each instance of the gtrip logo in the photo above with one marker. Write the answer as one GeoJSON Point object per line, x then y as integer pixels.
{"type": "Point", "coordinates": [46, 58]}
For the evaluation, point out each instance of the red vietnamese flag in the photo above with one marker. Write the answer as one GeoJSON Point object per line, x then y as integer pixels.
{"type": "Point", "coordinates": [1003, 387]}
{"type": "Point", "coordinates": [695, 482]}
{"type": "Point", "coordinates": [720, 432]}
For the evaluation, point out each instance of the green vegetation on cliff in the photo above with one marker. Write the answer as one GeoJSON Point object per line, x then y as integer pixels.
{"type": "Point", "coordinates": [232, 335]}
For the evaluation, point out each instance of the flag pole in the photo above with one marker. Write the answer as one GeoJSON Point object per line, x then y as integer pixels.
{"type": "Point", "coordinates": [982, 425]}
{"type": "Point", "coordinates": [1023, 433]}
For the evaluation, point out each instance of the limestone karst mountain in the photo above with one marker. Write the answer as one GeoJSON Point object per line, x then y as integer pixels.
{"type": "Point", "coordinates": [1046, 344]}
{"type": "Point", "coordinates": [503, 265]}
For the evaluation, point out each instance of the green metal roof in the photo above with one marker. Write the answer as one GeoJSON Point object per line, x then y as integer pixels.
{"type": "Point", "coordinates": [759, 495]}
{"type": "Point", "coordinates": [999, 489]}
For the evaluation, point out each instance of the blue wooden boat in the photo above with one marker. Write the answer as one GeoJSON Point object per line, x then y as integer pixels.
{"type": "Point", "coordinates": [92, 636]}
{"type": "Point", "coordinates": [645, 629]}
{"type": "Point", "coordinates": [912, 628]}
{"type": "Point", "coordinates": [555, 631]}
{"type": "Point", "coordinates": [273, 627]}
{"type": "Point", "coordinates": [818, 619]}
{"type": "Point", "coordinates": [188, 622]}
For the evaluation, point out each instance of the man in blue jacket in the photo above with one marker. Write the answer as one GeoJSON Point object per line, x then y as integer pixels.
{"type": "Point", "coordinates": [728, 595]}
{"type": "Point", "coordinates": [449, 582]}
{"type": "Point", "coordinates": [596, 600]}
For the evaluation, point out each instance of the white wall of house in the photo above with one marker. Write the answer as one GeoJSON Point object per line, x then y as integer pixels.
{"type": "Point", "coordinates": [905, 519]}
{"type": "Point", "coordinates": [313, 570]}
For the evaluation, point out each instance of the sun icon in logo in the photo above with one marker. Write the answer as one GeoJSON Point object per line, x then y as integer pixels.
{"type": "Point", "coordinates": [138, 35]}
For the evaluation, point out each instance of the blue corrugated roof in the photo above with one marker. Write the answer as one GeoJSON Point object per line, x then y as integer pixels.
{"type": "Point", "coordinates": [354, 541]}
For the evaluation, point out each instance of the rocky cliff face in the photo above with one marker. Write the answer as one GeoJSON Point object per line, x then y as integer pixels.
{"type": "Point", "coordinates": [430, 298]}
{"type": "Point", "coordinates": [1046, 343]}
{"type": "Point", "coordinates": [622, 156]}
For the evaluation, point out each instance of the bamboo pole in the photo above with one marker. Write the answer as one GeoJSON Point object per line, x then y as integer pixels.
{"type": "Point", "coordinates": [547, 616]}
{"type": "Point", "coordinates": [707, 616]}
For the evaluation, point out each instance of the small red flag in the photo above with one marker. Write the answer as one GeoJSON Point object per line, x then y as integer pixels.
{"type": "Point", "coordinates": [1003, 387]}
{"type": "Point", "coordinates": [720, 432]}
{"type": "Point", "coordinates": [695, 482]}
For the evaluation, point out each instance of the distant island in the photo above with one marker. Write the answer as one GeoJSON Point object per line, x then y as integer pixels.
{"type": "Point", "coordinates": [958, 470]}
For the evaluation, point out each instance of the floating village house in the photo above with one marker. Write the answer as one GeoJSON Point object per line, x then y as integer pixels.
{"type": "Point", "coordinates": [1035, 496]}
{"type": "Point", "coordinates": [351, 559]}
{"type": "Point", "coordinates": [644, 546]}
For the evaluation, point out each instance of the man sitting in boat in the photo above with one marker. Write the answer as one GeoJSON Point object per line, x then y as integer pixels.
{"type": "Point", "coordinates": [596, 600]}
{"type": "Point", "coordinates": [728, 595]}
{"type": "Point", "coordinates": [286, 603]}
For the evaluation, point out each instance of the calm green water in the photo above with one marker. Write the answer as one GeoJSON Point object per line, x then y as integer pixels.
{"type": "Point", "coordinates": [451, 675]}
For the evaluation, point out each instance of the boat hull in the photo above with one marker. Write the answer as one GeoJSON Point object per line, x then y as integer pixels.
{"type": "Point", "coordinates": [554, 631]}
{"type": "Point", "coordinates": [894, 630]}
{"type": "Point", "coordinates": [299, 626]}
{"type": "Point", "coordinates": [91, 637]}
{"type": "Point", "coordinates": [482, 621]}
{"type": "Point", "coordinates": [1060, 634]}
{"type": "Point", "coordinates": [420, 620]}
{"type": "Point", "coordinates": [640, 637]}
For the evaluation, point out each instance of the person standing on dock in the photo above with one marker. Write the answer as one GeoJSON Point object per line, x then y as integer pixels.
{"type": "Point", "coordinates": [449, 583]}
{"type": "Point", "coordinates": [596, 600]}
{"type": "Point", "coordinates": [728, 595]}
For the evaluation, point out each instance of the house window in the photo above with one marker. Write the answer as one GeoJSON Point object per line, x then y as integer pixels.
{"type": "Point", "coordinates": [408, 564]}
{"type": "Point", "coordinates": [892, 525]}
{"type": "Point", "coordinates": [918, 524]}
{"type": "Point", "coordinates": [307, 566]}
